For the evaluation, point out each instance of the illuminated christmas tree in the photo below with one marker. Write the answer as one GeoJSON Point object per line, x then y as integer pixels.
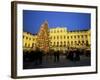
{"type": "Point", "coordinates": [43, 37]}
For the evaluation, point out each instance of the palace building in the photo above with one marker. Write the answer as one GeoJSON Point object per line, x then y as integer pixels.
{"type": "Point", "coordinates": [29, 41]}
{"type": "Point", "coordinates": [58, 38]}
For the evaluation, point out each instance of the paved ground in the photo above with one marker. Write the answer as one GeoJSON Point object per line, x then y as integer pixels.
{"type": "Point", "coordinates": [48, 62]}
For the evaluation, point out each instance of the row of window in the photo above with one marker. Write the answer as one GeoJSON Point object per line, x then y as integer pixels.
{"type": "Point", "coordinates": [76, 32]}
{"type": "Point", "coordinates": [28, 38]}
{"type": "Point", "coordinates": [69, 37]}
{"type": "Point", "coordinates": [30, 45]}
{"type": "Point", "coordinates": [59, 37]}
{"type": "Point", "coordinates": [61, 43]}
{"type": "Point", "coordinates": [57, 31]}
{"type": "Point", "coordinates": [64, 30]}
{"type": "Point", "coordinates": [69, 43]}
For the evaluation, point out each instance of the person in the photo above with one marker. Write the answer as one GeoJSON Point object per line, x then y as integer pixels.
{"type": "Point", "coordinates": [74, 56]}
{"type": "Point", "coordinates": [77, 55]}
{"type": "Point", "coordinates": [66, 54]}
{"type": "Point", "coordinates": [56, 56]}
{"type": "Point", "coordinates": [40, 55]}
{"type": "Point", "coordinates": [70, 55]}
{"type": "Point", "coordinates": [37, 56]}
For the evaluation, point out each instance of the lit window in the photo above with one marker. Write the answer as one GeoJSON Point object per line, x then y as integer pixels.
{"type": "Point", "coordinates": [51, 43]}
{"type": "Point", "coordinates": [71, 37]}
{"type": "Point", "coordinates": [60, 37]}
{"type": "Point", "coordinates": [25, 44]}
{"type": "Point", "coordinates": [83, 42]}
{"type": "Point", "coordinates": [64, 42]}
{"type": "Point", "coordinates": [33, 44]}
{"type": "Point", "coordinates": [78, 36]}
{"type": "Point", "coordinates": [71, 42]}
{"type": "Point", "coordinates": [57, 37]}
{"type": "Point", "coordinates": [29, 38]}
{"type": "Point", "coordinates": [86, 36]}
{"type": "Point", "coordinates": [86, 42]}
{"type": "Point", "coordinates": [68, 43]}
{"type": "Point", "coordinates": [78, 41]}
{"type": "Point", "coordinates": [75, 42]}
{"type": "Point", "coordinates": [67, 37]}
{"type": "Point", "coordinates": [54, 37]}
{"type": "Point", "coordinates": [82, 36]}
{"type": "Point", "coordinates": [61, 42]}
{"type": "Point", "coordinates": [74, 36]}
{"type": "Point", "coordinates": [28, 45]}
{"type": "Point", "coordinates": [64, 37]}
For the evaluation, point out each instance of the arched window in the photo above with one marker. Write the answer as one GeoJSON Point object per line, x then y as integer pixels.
{"type": "Point", "coordinates": [29, 38]}
{"type": "Point", "coordinates": [25, 44]}
{"type": "Point", "coordinates": [28, 45]}
{"type": "Point", "coordinates": [78, 42]}
{"type": "Point", "coordinates": [61, 42]}
{"type": "Point", "coordinates": [60, 37]}
{"type": "Point", "coordinates": [74, 36]}
{"type": "Point", "coordinates": [71, 42]}
{"type": "Point", "coordinates": [54, 37]}
{"type": "Point", "coordinates": [26, 37]}
{"type": "Point", "coordinates": [75, 42]}
{"type": "Point", "coordinates": [83, 42]}
{"type": "Point", "coordinates": [78, 36]}
{"type": "Point", "coordinates": [85, 36]}
{"type": "Point", "coordinates": [57, 37]}
{"type": "Point", "coordinates": [64, 37]}
{"type": "Point", "coordinates": [67, 37]}
{"type": "Point", "coordinates": [64, 43]}
{"type": "Point", "coordinates": [71, 37]}
{"type": "Point", "coordinates": [57, 43]}
{"type": "Point", "coordinates": [81, 36]}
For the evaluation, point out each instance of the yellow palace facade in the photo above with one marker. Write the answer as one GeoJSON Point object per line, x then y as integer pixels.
{"type": "Point", "coordinates": [60, 39]}
{"type": "Point", "coordinates": [29, 41]}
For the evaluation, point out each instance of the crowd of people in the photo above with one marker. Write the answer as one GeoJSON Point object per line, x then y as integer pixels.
{"type": "Point", "coordinates": [37, 55]}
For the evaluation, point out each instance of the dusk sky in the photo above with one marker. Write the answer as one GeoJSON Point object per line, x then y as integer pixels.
{"type": "Point", "coordinates": [32, 20]}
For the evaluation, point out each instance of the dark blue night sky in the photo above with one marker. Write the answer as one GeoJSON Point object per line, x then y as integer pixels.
{"type": "Point", "coordinates": [32, 20]}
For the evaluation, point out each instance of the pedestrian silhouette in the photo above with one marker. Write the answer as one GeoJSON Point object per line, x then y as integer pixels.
{"type": "Point", "coordinates": [56, 56]}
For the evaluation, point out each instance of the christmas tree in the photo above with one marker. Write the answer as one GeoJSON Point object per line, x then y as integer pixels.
{"type": "Point", "coordinates": [43, 37]}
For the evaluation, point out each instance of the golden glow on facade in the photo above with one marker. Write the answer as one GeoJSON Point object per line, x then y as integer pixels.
{"type": "Point", "coordinates": [29, 41]}
{"type": "Point", "coordinates": [60, 39]}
